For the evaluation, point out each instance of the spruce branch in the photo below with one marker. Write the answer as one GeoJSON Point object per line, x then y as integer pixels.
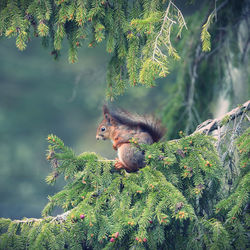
{"type": "Point", "coordinates": [180, 185]}
{"type": "Point", "coordinates": [205, 35]}
{"type": "Point", "coordinates": [208, 126]}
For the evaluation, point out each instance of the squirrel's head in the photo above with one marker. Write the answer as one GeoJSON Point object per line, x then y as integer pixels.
{"type": "Point", "coordinates": [105, 128]}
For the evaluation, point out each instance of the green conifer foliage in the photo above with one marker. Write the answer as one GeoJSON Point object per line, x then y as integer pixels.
{"type": "Point", "coordinates": [234, 208]}
{"type": "Point", "coordinates": [168, 204]}
{"type": "Point", "coordinates": [137, 33]}
{"type": "Point", "coordinates": [180, 199]}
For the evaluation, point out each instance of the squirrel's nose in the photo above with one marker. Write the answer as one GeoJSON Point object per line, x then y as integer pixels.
{"type": "Point", "coordinates": [97, 137]}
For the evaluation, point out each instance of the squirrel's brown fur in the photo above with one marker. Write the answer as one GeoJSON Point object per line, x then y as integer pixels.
{"type": "Point", "coordinates": [120, 127]}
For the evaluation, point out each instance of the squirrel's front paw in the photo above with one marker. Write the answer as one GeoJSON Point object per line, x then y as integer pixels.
{"type": "Point", "coordinates": [119, 165]}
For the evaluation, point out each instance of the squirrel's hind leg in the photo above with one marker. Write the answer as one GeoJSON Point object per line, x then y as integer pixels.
{"type": "Point", "coordinates": [130, 158]}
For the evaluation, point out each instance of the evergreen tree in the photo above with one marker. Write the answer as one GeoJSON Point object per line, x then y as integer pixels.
{"type": "Point", "coordinates": [187, 197]}
{"type": "Point", "coordinates": [193, 193]}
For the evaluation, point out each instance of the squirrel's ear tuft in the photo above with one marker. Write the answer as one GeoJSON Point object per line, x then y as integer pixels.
{"type": "Point", "coordinates": [105, 109]}
{"type": "Point", "coordinates": [106, 114]}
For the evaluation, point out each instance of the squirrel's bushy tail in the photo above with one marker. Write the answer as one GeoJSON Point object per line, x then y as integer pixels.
{"type": "Point", "coordinates": [154, 127]}
{"type": "Point", "coordinates": [147, 123]}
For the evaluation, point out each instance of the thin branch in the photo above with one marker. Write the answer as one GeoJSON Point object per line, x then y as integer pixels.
{"type": "Point", "coordinates": [167, 21]}
{"type": "Point", "coordinates": [210, 125]}
{"type": "Point", "coordinates": [161, 31]}
{"type": "Point", "coordinates": [60, 218]}
{"type": "Point", "coordinates": [28, 220]}
{"type": "Point", "coordinates": [236, 130]}
{"type": "Point", "coordinates": [180, 13]}
{"type": "Point", "coordinates": [106, 160]}
{"type": "Point", "coordinates": [196, 114]}
{"type": "Point", "coordinates": [245, 49]}
{"type": "Point", "coordinates": [193, 76]}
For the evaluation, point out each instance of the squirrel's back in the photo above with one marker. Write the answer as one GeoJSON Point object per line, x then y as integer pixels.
{"type": "Point", "coordinates": [145, 123]}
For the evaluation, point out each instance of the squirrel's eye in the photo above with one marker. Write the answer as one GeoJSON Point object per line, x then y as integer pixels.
{"type": "Point", "coordinates": [103, 129]}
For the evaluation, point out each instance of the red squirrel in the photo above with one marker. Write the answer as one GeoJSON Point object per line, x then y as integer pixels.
{"type": "Point", "coordinates": [120, 127]}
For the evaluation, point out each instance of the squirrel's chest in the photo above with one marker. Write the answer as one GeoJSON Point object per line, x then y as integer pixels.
{"type": "Point", "coordinates": [119, 153]}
